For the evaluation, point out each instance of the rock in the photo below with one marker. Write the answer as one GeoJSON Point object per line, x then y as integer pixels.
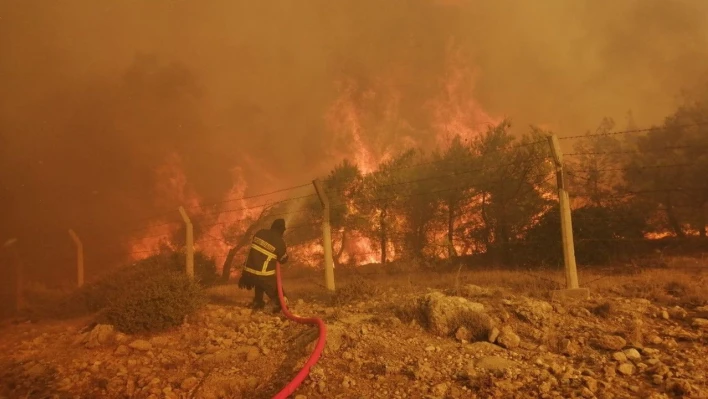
{"type": "Point", "coordinates": [463, 334]}
{"type": "Point", "coordinates": [590, 383]}
{"type": "Point", "coordinates": [122, 350]}
{"type": "Point", "coordinates": [252, 353]}
{"type": "Point", "coordinates": [440, 389]}
{"type": "Point", "coordinates": [650, 351]}
{"type": "Point", "coordinates": [700, 323]}
{"type": "Point", "coordinates": [610, 342]}
{"type": "Point", "coordinates": [534, 311]}
{"type": "Point", "coordinates": [189, 383]}
{"type": "Point", "coordinates": [620, 357]}
{"type": "Point", "coordinates": [654, 339]}
{"type": "Point", "coordinates": [493, 363]}
{"type": "Point", "coordinates": [348, 382]}
{"type": "Point", "coordinates": [568, 347]}
{"type": "Point", "coordinates": [444, 313]}
{"type": "Point", "coordinates": [580, 311]}
{"type": "Point", "coordinates": [665, 315]}
{"type": "Point", "coordinates": [632, 354]}
{"type": "Point", "coordinates": [121, 338]}
{"type": "Point", "coordinates": [493, 335]}
{"type": "Point", "coordinates": [471, 290]}
{"type": "Point", "coordinates": [81, 338]}
{"type": "Point", "coordinates": [626, 368]}
{"type": "Point", "coordinates": [508, 339]}
{"type": "Point", "coordinates": [141, 345]}
{"type": "Point", "coordinates": [483, 347]}
{"type": "Point", "coordinates": [100, 335]}
{"type": "Point", "coordinates": [159, 342]}
{"type": "Point", "coordinates": [678, 312]}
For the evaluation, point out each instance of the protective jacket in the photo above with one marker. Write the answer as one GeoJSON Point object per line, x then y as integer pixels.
{"type": "Point", "coordinates": [267, 247]}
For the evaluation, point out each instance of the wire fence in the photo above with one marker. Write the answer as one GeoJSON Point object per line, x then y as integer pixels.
{"type": "Point", "coordinates": [485, 205]}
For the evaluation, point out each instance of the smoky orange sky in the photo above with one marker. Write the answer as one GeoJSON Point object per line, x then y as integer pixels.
{"type": "Point", "coordinates": [96, 96]}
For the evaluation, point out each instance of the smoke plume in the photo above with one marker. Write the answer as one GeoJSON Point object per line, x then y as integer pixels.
{"type": "Point", "coordinates": [97, 97]}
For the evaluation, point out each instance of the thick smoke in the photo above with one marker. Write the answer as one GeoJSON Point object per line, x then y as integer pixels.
{"type": "Point", "coordinates": [96, 96]}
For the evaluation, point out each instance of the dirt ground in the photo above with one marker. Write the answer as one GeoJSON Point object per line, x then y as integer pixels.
{"type": "Point", "coordinates": [473, 334]}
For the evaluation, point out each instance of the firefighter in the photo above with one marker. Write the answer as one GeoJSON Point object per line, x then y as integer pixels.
{"type": "Point", "coordinates": [267, 247]}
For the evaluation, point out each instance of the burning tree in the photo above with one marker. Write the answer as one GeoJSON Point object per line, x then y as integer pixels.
{"type": "Point", "coordinates": [456, 166]}
{"type": "Point", "coordinates": [513, 178]}
{"type": "Point", "coordinates": [596, 171]}
{"type": "Point", "coordinates": [344, 187]}
{"type": "Point", "coordinates": [382, 196]}
{"type": "Point", "coordinates": [673, 179]}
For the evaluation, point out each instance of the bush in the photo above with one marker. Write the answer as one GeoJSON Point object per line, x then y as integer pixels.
{"type": "Point", "coordinates": [356, 290]}
{"type": "Point", "coordinates": [204, 266]}
{"type": "Point", "coordinates": [156, 304]}
{"type": "Point", "coordinates": [123, 282]}
{"type": "Point", "coordinates": [117, 284]}
{"type": "Point", "coordinates": [601, 235]}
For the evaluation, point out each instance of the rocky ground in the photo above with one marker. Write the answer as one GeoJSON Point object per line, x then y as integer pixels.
{"type": "Point", "coordinates": [477, 342]}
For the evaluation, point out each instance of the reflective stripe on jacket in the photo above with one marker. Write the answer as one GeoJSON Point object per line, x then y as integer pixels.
{"type": "Point", "coordinates": [267, 247]}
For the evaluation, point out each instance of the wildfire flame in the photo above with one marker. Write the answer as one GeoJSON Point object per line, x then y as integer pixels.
{"type": "Point", "coordinates": [357, 117]}
{"type": "Point", "coordinates": [233, 214]}
{"type": "Point", "coordinates": [455, 111]}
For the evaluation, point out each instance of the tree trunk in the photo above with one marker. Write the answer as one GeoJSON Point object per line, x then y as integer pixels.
{"type": "Point", "coordinates": [382, 221]}
{"type": "Point", "coordinates": [450, 230]}
{"type": "Point", "coordinates": [673, 221]}
{"type": "Point", "coordinates": [245, 240]}
{"type": "Point", "coordinates": [501, 236]}
{"type": "Point", "coordinates": [226, 269]}
{"type": "Point", "coordinates": [419, 242]}
{"type": "Point", "coordinates": [338, 256]}
{"type": "Point", "coordinates": [485, 219]}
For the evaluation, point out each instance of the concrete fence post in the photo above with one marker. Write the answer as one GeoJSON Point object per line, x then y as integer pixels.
{"type": "Point", "coordinates": [326, 234]}
{"type": "Point", "coordinates": [190, 242]}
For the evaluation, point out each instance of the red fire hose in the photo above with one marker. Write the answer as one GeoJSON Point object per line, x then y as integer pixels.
{"type": "Point", "coordinates": [315, 356]}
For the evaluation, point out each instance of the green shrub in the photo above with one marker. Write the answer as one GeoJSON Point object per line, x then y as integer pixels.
{"type": "Point", "coordinates": [155, 304]}
{"type": "Point", "coordinates": [204, 266]}
{"type": "Point", "coordinates": [122, 282]}
{"type": "Point", "coordinates": [97, 295]}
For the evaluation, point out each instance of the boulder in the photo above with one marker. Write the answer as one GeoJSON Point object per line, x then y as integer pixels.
{"type": "Point", "coordinates": [100, 335]}
{"type": "Point", "coordinates": [445, 314]}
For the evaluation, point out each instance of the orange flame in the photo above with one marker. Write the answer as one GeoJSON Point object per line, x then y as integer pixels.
{"type": "Point", "coordinates": [173, 191]}
{"type": "Point", "coordinates": [456, 111]}
{"type": "Point", "coordinates": [364, 118]}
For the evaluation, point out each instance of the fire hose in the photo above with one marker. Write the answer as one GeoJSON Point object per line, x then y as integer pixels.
{"type": "Point", "coordinates": [290, 388]}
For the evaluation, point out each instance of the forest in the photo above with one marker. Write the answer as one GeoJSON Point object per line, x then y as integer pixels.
{"type": "Point", "coordinates": [493, 199]}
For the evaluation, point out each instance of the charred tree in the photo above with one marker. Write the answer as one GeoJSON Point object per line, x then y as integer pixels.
{"type": "Point", "coordinates": [383, 238]}
{"type": "Point", "coordinates": [451, 253]}
{"type": "Point", "coordinates": [673, 220]}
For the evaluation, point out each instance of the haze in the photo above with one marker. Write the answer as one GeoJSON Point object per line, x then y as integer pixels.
{"type": "Point", "coordinates": [97, 96]}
